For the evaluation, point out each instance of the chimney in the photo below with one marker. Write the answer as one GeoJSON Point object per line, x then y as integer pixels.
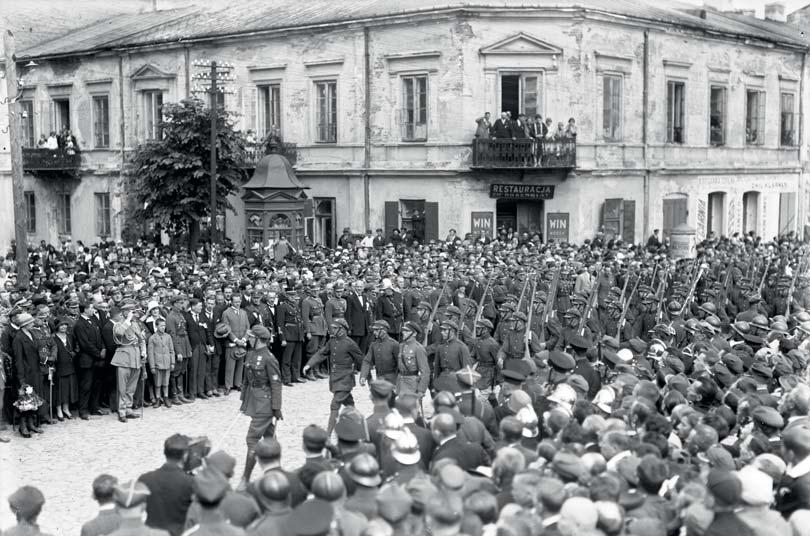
{"type": "Point", "coordinates": [716, 5]}
{"type": "Point", "coordinates": [775, 11]}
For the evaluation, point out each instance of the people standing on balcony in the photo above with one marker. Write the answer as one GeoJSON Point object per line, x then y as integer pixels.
{"type": "Point", "coordinates": [571, 129]}
{"type": "Point", "coordinates": [502, 127]}
{"type": "Point", "coordinates": [548, 130]}
{"type": "Point", "coordinates": [53, 142]}
{"type": "Point", "coordinates": [484, 126]}
{"type": "Point", "coordinates": [559, 134]}
{"type": "Point", "coordinates": [43, 142]}
{"type": "Point", "coordinates": [346, 240]}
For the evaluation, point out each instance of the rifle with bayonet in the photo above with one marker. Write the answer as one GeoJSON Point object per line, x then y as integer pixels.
{"type": "Point", "coordinates": [480, 311]}
{"type": "Point", "coordinates": [727, 283]}
{"type": "Point", "coordinates": [764, 276]}
{"type": "Point", "coordinates": [523, 292]}
{"type": "Point", "coordinates": [793, 285]}
{"type": "Point", "coordinates": [626, 307]}
{"type": "Point", "coordinates": [551, 300]}
{"type": "Point", "coordinates": [583, 321]}
{"type": "Point", "coordinates": [661, 291]}
{"type": "Point", "coordinates": [692, 289]}
{"type": "Point", "coordinates": [527, 333]}
{"type": "Point", "coordinates": [432, 317]}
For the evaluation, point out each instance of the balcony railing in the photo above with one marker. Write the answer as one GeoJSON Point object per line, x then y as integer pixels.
{"type": "Point", "coordinates": [50, 160]}
{"type": "Point", "coordinates": [524, 153]}
{"type": "Point", "coordinates": [256, 151]}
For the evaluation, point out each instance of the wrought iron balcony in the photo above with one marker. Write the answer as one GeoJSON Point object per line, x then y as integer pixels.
{"type": "Point", "coordinates": [524, 153]}
{"type": "Point", "coordinates": [50, 160]}
{"type": "Point", "coordinates": [254, 152]}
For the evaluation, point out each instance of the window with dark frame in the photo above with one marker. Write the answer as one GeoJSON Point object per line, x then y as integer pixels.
{"type": "Point", "coordinates": [612, 107]}
{"type": "Point", "coordinates": [152, 112]}
{"type": "Point", "coordinates": [103, 223]}
{"type": "Point", "coordinates": [754, 117]}
{"type": "Point", "coordinates": [101, 121]}
{"type": "Point", "coordinates": [269, 109]}
{"type": "Point", "coordinates": [63, 213]}
{"type": "Point", "coordinates": [717, 115]}
{"type": "Point", "coordinates": [676, 100]}
{"type": "Point", "coordinates": [414, 110]}
{"type": "Point", "coordinates": [787, 120]}
{"type": "Point", "coordinates": [27, 123]}
{"type": "Point", "coordinates": [30, 212]}
{"type": "Point", "coordinates": [412, 218]}
{"type": "Point", "coordinates": [326, 111]}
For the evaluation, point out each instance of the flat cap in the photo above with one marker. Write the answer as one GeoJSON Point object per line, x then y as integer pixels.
{"type": "Point", "coordinates": [26, 501]}
{"type": "Point", "coordinates": [413, 326]}
{"type": "Point", "coordinates": [381, 388]}
{"type": "Point", "coordinates": [315, 437]}
{"type": "Point", "coordinates": [210, 486]}
{"type": "Point", "coordinates": [561, 360]}
{"type": "Point", "coordinates": [579, 342]}
{"type": "Point", "coordinates": [768, 416]}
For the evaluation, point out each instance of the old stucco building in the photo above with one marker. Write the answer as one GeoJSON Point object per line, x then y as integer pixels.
{"type": "Point", "coordinates": [683, 116]}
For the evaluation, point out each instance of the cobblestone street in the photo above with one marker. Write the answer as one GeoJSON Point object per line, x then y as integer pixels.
{"type": "Point", "coordinates": [63, 461]}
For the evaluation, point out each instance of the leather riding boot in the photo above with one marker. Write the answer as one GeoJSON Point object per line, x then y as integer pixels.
{"type": "Point", "coordinates": [250, 463]}
{"type": "Point", "coordinates": [333, 415]}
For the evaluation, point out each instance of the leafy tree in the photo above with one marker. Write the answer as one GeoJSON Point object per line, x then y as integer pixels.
{"type": "Point", "coordinates": [169, 178]}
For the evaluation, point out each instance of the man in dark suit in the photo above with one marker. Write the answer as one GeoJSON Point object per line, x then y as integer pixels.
{"type": "Point", "coordinates": [110, 346]}
{"type": "Point", "coordinates": [213, 350]}
{"type": "Point", "coordinates": [502, 127]}
{"type": "Point", "coordinates": [170, 488]}
{"type": "Point", "coordinates": [27, 368]}
{"type": "Point", "coordinates": [108, 518]}
{"type": "Point", "coordinates": [358, 309]}
{"type": "Point", "coordinates": [467, 455]}
{"type": "Point", "coordinates": [198, 337]}
{"type": "Point", "coordinates": [87, 335]}
{"type": "Point", "coordinates": [268, 455]}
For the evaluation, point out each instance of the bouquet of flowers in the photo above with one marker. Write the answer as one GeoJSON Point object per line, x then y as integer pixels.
{"type": "Point", "coordinates": [27, 400]}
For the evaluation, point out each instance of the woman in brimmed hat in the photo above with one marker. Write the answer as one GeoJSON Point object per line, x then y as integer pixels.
{"type": "Point", "coordinates": [29, 376]}
{"type": "Point", "coordinates": [67, 385]}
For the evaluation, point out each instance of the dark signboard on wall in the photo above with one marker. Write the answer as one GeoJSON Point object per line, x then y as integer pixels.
{"type": "Point", "coordinates": [521, 191]}
{"type": "Point", "coordinates": [483, 223]}
{"type": "Point", "coordinates": [557, 226]}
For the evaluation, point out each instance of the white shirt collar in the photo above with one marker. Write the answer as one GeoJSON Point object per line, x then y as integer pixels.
{"type": "Point", "coordinates": [800, 469]}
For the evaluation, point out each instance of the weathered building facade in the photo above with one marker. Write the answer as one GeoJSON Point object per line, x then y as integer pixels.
{"type": "Point", "coordinates": [682, 118]}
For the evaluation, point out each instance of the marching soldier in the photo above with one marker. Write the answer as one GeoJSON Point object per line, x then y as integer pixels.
{"type": "Point", "coordinates": [412, 362]}
{"type": "Point", "coordinates": [314, 322]}
{"type": "Point", "coordinates": [336, 304]}
{"type": "Point", "coordinates": [451, 354]}
{"type": "Point", "coordinates": [485, 355]}
{"type": "Point", "coordinates": [290, 332]}
{"type": "Point", "coordinates": [261, 395]}
{"type": "Point", "coordinates": [382, 354]}
{"type": "Point", "coordinates": [514, 341]}
{"type": "Point", "coordinates": [344, 358]}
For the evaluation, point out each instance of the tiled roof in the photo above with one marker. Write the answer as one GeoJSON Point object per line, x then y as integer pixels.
{"type": "Point", "coordinates": [263, 15]}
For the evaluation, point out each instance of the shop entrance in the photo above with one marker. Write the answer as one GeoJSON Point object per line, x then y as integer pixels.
{"type": "Point", "coordinates": [520, 216]}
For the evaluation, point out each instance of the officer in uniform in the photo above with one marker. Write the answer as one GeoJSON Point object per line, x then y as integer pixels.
{"type": "Point", "coordinates": [344, 357]}
{"type": "Point", "coordinates": [514, 341]}
{"type": "Point", "coordinates": [451, 353]}
{"type": "Point", "coordinates": [210, 487]}
{"type": "Point", "coordinates": [261, 397]}
{"type": "Point", "coordinates": [412, 362]}
{"type": "Point", "coordinates": [253, 309]}
{"type": "Point", "coordinates": [336, 304]}
{"type": "Point", "coordinates": [382, 354]}
{"type": "Point", "coordinates": [290, 332]}
{"type": "Point", "coordinates": [178, 329]}
{"type": "Point", "coordinates": [455, 315]}
{"type": "Point", "coordinates": [314, 321]}
{"type": "Point", "coordinates": [485, 354]}
{"type": "Point", "coordinates": [130, 503]}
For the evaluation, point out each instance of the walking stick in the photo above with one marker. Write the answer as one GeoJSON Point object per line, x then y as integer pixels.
{"type": "Point", "coordinates": [50, 394]}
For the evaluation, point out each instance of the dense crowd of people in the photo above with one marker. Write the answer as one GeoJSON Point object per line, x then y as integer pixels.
{"type": "Point", "coordinates": [596, 389]}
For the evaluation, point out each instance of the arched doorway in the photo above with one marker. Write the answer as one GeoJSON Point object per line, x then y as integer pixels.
{"type": "Point", "coordinates": [750, 207]}
{"type": "Point", "coordinates": [676, 213]}
{"type": "Point", "coordinates": [716, 214]}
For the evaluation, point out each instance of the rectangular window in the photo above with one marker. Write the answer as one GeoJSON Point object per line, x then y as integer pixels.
{"type": "Point", "coordinates": [326, 111]}
{"type": "Point", "coordinates": [754, 117]}
{"type": "Point", "coordinates": [413, 217]}
{"type": "Point", "coordinates": [788, 120]}
{"type": "Point", "coordinates": [103, 214]}
{"type": "Point", "coordinates": [101, 121]}
{"type": "Point", "coordinates": [269, 109]}
{"type": "Point", "coordinates": [717, 115]}
{"type": "Point", "coordinates": [414, 109]}
{"type": "Point", "coordinates": [27, 123]}
{"type": "Point", "coordinates": [152, 105]}
{"type": "Point", "coordinates": [676, 100]}
{"type": "Point", "coordinates": [60, 115]}
{"type": "Point", "coordinates": [30, 212]}
{"type": "Point", "coordinates": [63, 213]}
{"type": "Point", "coordinates": [612, 108]}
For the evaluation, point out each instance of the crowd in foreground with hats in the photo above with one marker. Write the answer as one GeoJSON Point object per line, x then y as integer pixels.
{"type": "Point", "coordinates": [601, 389]}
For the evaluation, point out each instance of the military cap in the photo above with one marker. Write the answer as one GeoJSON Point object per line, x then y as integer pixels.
{"type": "Point", "coordinates": [567, 465]}
{"type": "Point", "coordinates": [222, 462]}
{"type": "Point", "coordinates": [579, 342]}
{"type": "Point", "coordinates": [561, 361]}
{"type": "Point", "coordinates": [274, 486]}
{"type": "Point", "coordinates": [572, 311]}
{"type": "Point", "coordinates": [261, 332]}
{"type": "Point", "coordinates": [424, 305]}
{"type": "Point", "coordinates": [663, 328]}
{"type": "Point", "coordinates": [315, 437]}
{"type": "Point", "coordinates": [349, 429]}
{"type": "Point", "coordinates": [328, 486]}
{"type": "Point", "coordinates": [413, 326]}
{"type": "Point", "coordinates": [311, 518]}
{"type": "Point", "coordinates": [26, 502]}
{"type": "Point", "coordinates": [512, 297]}
{"type": "Point", "coordinates": [637, 345]}
{"type": "Point", "coordinates": [130, 494]}
{"type": "Point", "coordinates": [452, 310]}
{"type": "Point", "coordinates": [506, 306]}
{"type": "Point", "coordinates": [341, 323]}
{"type": "Point", "coordinates": [753, 297]}
{"type": "Point", "coordinates": [393, 503]}
{"type": "Point", "coordinates": [610, 342]}
{"type": "Point", "coordinates": [579, 297]}
{"type": "Point", "coordinates": [364, 470]}
{"type": "Point", "coordinates": [674, 306]}
{"type": "Point", "coordinates": [761, 369]}
{"type": "Point", "coordinates": [443, 510]}
{"type": "Point", "coordinates": [723, 375]}
{"type": "Point", "coordinates": [381, 388]}
{"type": "Point", "coordinates": [513, 376]}
{"type": "Point", "coordinates": [447, 324]}
{"type": "Point", "coordinates": [381, 324]}
{"type": "Point", "coordinates": [484, 322]}
{"type": "Point", "coordinates": [468, 376]}
{"type": "Point", "coordinates": [768, 416]}
{"type": "Point", "coordinates": [520, 316]}
{"type": "Point", "coordinates": [579, 383]}
{"type": "Point", "coordinates": [741, 327]}
{"type": "Point", "coordinates": [268, 448]}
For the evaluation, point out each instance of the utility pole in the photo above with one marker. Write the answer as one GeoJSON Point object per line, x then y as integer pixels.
{"type": "Point", "coordinates": [20, 231]}
{"type": "Point", "coordinates": [214, 77]}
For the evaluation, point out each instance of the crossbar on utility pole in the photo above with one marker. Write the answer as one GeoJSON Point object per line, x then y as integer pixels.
{"type": "Point", "coordinates": [18, 190]}
{"type": "Point", "coordinates": [213, 161]}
